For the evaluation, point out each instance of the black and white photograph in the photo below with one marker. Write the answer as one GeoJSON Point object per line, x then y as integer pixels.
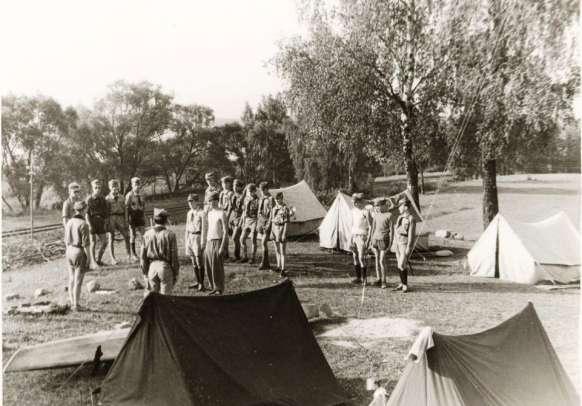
{"type": "Point", "coordinates": [291, 202]}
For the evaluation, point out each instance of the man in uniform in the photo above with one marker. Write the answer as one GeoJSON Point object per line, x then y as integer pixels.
{"type": "Point", "coordinates": [249, 222]}
{"type": "Point", "coordinates": [98, 218]}
{"type": "Point", "coordinates": [193, 239]}
{"type": "Point", "coordinates": [159, 256]}
{"type": "Point", "coordinates": [380, 237]}
{"type": "Point", "coordinates": [212, 182]}
{"type": "Point", "coordinates": [224, 203]}
{"type": "Point", "coordinates": [236, 206]}
{"type": "Point", "coordinates": [117, 219]}
{"type": "Point", "coordinates": [77, 251]}
{"type": "Point", "coordinates": [135, 207]}
{"type": "Point", "coordinates": [264, 223]}
{"type": "Point", "coordinates": [404, 233]}
{"type": "Point", "coordinates": [215, 235]}
{"type": "Point", "coordinates": [361, 223]}
{"type": "Point", "coordinates": [74, 196]}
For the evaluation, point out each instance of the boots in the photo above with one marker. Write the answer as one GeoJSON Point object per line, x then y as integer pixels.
{"type": "Point", "coordinates": [358, 273]}
{"type": "Point", "coordinates": [265, 265]}
{"type": "Point", "coordinates": [364, 276]}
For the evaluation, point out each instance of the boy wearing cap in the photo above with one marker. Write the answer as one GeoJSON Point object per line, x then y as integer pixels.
{"type": "Point", "coordinates": [264, 223]}
{"type": "Point", "coordinates": [211, 181]}
{"type": "Point", "coordinates": [249, 222]}
{"type": "Point", "coordinates": [74, 196]}
{"type": "Point", "coordinates": [236, 206]}
{"type": "Point", "coordinates": [215, 233]}
{"type": "Point", "coordinates": [280, 217]}
{"type": "Point", "coordinates": [361, 222]}
{"type": "Point", "coordinates": [159, 256]}
{"type": "Point", "coordinates": [404, 234]}
{"type": "Point", "coordinates": [97, 218]}
{"type": "Point", "coordinates": [380, 238]}
{"type": "Point", "coordinates": [224, 203]}
{"type": "Point", "coordinates": [193, 239]}
{"type": "Point", "coordinates": [117, 219]}
{"type": "Point", "coordinates": [135, 207]}
{"type": "Point", "coordinates": [77, 251]}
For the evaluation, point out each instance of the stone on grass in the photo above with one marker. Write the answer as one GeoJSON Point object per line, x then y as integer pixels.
{"type": "Point", "coordinates": [125, 324]}
{"type": "Point", "coordinates": [92, 286]}
{"type": "Point", "coordinates": [12, 297]}
{"type": "Point", "coordinates": [442, 233]}
{"type": "Point", "coordinates": [134, 284]}
{"type": "Point", "coordinates": [443, 253]}
{"type": "Point", "coordinates": [325, 310]}
{"type": "Point", "coordinates": [458, 236]}
{"type": "Point", "coordinates": [41, 292]}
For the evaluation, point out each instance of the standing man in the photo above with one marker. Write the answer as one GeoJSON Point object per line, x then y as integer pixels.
{"type": "Point", "coordinates": [381, 235]}
{"type": "Point", "coordinates": [215, 234]}
{"type": "Point", "coordinates": [212, 182]}
{"type": "Point", "coordinates": [98, 218]}
{"type": "Point", "coordinates": [77, 251]}
{"type": "Point", "coordinates": [74, 196]}
{"type": "Point", "coordinates": [224, 203]}
{"type": "Point", "coordinates": [249, 222]}
{"type": "Point", "coordinates": [236, 206]}
{"type": "Point", "coordinates": [159, 256]}
{"type": "Point", "coordinates": [361, 222]}
{"type": "Point", "coordinates": [117, 219]}
{"type": "Point", "coordinates": [264, 223]}
{"type": "Point", "coordinates": [405, 233]}
{"type": "Point", "coordinates": [135, 207]}
{"type": "Point", "coordinates": [193, 239]}
{"type": "Point", "coordinates": [280, 217]}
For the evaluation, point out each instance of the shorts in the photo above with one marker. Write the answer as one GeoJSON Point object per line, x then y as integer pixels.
{"type": "Point", "coordinates": [160, 277]}
{"type": "Point", "coordinates": [137, 219]}
{"type": "Point", "coordinates": [133, 230]}
{"type": "Point", "coordinates": [250, 224]}
{"type": "Point", "coordinates": [193, 245]}
{"type": "Point", "coordinates": [76, 259]}
{"type": "Point", "coordinates": [358, 243]}
{"type": "Point", "coordinates": [264, 228]}
{"type": "Point", "coordinates": [98, 225]}
{"type": "Point", "coordinates": [234, 222]}
{"type": "Point", "coordinates": [277, 232]}
{"type": "Point", "coordinates": [381, 244]}
{"type": "Point", "coordinates": [117, 223]}
{"type": "Point", "coordinates": [401, 258]}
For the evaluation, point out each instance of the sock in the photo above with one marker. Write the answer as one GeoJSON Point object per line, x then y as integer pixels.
{"type": "Point", "coordinates": [404, 276]}
{"type": "Point", "coordinates": [358, 271]}
{"type": "Point", "coordinates": [364, 273]}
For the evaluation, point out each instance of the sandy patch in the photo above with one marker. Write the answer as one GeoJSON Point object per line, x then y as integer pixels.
{"type": "Point", "coordinates": [373, 329]}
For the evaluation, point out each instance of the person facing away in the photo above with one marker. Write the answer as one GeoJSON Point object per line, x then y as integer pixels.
{"type": "Point", "coordinates": [236, 206]}
{"type": "Point", "coordinates": [117, 219]}
{"type": "Point", "coordinates": [193, 239]}
{"type": "Point", "coordinates": [214, 233]}
{"type": "Point", "coordinates": [249, 222]}
{"type": "Point", "coordinates": [74, 196]}
{"type": "Point", "coordinates": [280, 217]}
{"type": "Point", "coordinates": [135, 205]}
{"type": "Point", "coordinates": [361, 222]}
{"type": "Point", "coordinates": [77, 252]}
{"type": "Point", "coordinates": [159, 256]}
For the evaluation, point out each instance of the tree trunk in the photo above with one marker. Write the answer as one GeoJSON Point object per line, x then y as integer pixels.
{"type": "Point", "coordinates": [490, 203]}
{"type": "Point", "coordinates": [421, 180]}
{"type": "Point", "coordinates": [39, 189]}
{"type": "Point", "coordinates": [409, 164]}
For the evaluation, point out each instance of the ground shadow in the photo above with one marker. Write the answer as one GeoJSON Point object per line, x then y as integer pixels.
{"type": "Point", "coordinates": [513, 190]}
{"type": "Point", "coordinates": [355, 390]}
{"type": "Point", "coordinates": [320, 326]}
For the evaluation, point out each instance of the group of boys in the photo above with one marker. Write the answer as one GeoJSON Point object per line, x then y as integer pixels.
{"type": "Point", "coordinates": [380, 230]}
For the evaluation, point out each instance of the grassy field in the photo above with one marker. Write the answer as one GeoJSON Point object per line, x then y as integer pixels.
{"type": "Point", "coordinates": [443, 297]}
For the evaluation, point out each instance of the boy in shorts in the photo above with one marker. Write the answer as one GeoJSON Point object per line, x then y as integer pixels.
{"type": "Point", "coordinates": [236, 206]}
{"type": "Point", "coordinates": [98, 219]}
{"type": "Point", "coordinates": [264, 223]}
{"type": "Point", "coordinates": [224, 203]}
{"type": "Point", "coordinates": [361, 223]}
{"type": "Point", "coordinates": [193, 239]}
{"type": "Point", "coordinates": [117, 219]}
{"type": "Point", "coordinates": [280, 217]}
{"type": "Point", "coordinates": [380, 238]}
{"type": "Point", "coordinates": [249, 222]}
{"type": "Point", "coordinates": [404, 233]}
{"type": "Point", "coordinates": [77, 251]}
{"type": "Point", "coordinates": [135, 206]}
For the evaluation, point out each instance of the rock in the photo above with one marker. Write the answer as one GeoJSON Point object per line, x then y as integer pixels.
{"type": "Point", "coordinates": [325, 310]}
{"type": "Point", "coordinates": [25, 304]}
{"type": "Point", "coordinates": [443, 253]}
{"type": "Point", "coordinates": [134, 284]}
{"type": "Point", "coordinates": [458, 236]}
{"type": "Point", "coordinates": [13, 296]}
{"type": "Point", "coordinates": [125, 324]}
{"type": "Point", "coordinates": [92, 286]}
{"type": "Point", "coordinates": [40, 292]}
{"type": "Point", "coordinates": [442, 233]}
{"type": "Point", "coordinates": [42, 303]}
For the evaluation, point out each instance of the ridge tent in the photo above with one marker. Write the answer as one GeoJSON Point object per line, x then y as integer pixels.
{"type": "Point", "coordinates": [335, 228]}
{"type": "Point", "coordinates": [512, 364]}
{"type": "Point", "coordinates": [309, 211]}
{"type": "Point", "coordinates": [254, 348]}
{"type": "Point", "coordinates": [528, 252]}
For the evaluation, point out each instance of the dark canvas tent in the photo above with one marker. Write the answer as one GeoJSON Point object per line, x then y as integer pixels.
{"type": "Point", "coordinates": [252, 348]}
{"type": "Point", "coordinates": [511, 364]}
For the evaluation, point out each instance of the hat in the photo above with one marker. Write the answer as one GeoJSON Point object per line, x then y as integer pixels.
{"type": "Point", "coordinates": [263, 185]}
{"type": "Point", "coordinates": [80, 205]}
{"type": "Point", "coordinates": [210, 176]}
{"type": "Point", "coordinates": [113, 182]}
{"type": "Point", "coordinates": [159, 213]}
{"type": "Point", "coordinates": [226, 179]}
{"type": "Point", "coordinates": [74, 186]}
{"type": "Point", "coordinates": [212, 197]}
{"type": "Point", "coordinates": [251, 187]}
{"type": "Point", "coordinates": [238, 182]}
{"type": "Point", "coordinates": [357, 197]}
{"type": "Point", "coordinates": [95, 182]}
{"type": "Point", "coordinates": [379, 201]}
{"type": "Point", "coordinates": [279, 195]}
{"type": "Point", "coordinates": [192, 197]}
{"type": "Point", "coordinates": [403, 201]}
{"type": "Point", "coordinates": [135, 179]}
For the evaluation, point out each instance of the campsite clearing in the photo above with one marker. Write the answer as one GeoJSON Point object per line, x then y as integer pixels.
{"type": "Point", "coordinates": [444, 297]}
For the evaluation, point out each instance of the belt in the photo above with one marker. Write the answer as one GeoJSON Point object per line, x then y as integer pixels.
{"type": "Point", "coordinates": [279, 224]}
{"type": "Point", "coordinates": [74, 246]}
{"type": "Point", "coordinates": [118, 214]}
{"type": "Point", "coordinates": [195, 232]}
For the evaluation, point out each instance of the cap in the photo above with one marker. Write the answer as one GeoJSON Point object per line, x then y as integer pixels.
{"type": "Point", "coordinates": [135, 179]}
{"type": "Point", "coordinates": [252, 187]}
{"type": "Point", "coordinates": [213, 197]}
{"type": "Point", "coordinates": [210, 176]}
{"type": "Point", "coordinates": [357, 197]}
{"type": "Point", "coordinates": [95, 182]}
{"type": "Point", "coordinates": [379, 201]}
{"type": "Point", "coordinates": [263, 185]}
{"type": "Point", "coordinates": [113, 182]}
{"type": "Point", "coordinates": [279, 195]}
{"type": "Point", "coordinates": [226, 179]}
{"type": "Point", "coordinates": [403, 201]}
{"type": "Point", "coordinates": [80, 205]}
{"type": "Point", "coordinates": [192, 197]}
{"type": "Point", "coordinates": [74, 186]}
{"type": "Point", "coordinates": [238, 182]}
{"type": "Point", "coordinates": [160, 213]}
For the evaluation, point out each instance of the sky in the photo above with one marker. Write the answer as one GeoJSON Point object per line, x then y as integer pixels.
{"type": "Point", "coordinates": [211, 52]}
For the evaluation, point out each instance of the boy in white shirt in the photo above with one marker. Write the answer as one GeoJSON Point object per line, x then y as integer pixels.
{"type": "Point", "coordinates": [193, 239]}
{"type": "Point", "coordinates": [215, 234]}
{"type": "Point", "coordinates": [361, 224]}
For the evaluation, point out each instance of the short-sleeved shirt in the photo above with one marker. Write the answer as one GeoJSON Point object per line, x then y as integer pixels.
{"type": "Point", "coordinates": [160, 244]}
{"type": "Point", "coordinates": [216, 220]}
{"type": "Point", "coordinates": [281, 214]}
{"type": "Point", "coordinates": [382, 224]}
{"type": "Point", "coordinates": [265, 206]}
{"type": "Point", "coordinates": [251, 208]}
{"type": "Point", "coordinates": [97, 207]}
{"type": "Point", "coordinates": [194, 220]}
{"type": "Point", "coordinates": [77, 232]}
{"type": "Point", "coordinates": [360, 219]}
{"type": "Point", "coordinates": [116, 204]}
{"type": "Point", "coordinates": [224, 200]}
{"type": "Point", "coordinates": [236, 204]}
{"type": "Point", "coordinates": [403, 224]}
{"type": "Point", "coordinates": [135, 208]}
{"type": "Point", "coordinates": [68, 211]}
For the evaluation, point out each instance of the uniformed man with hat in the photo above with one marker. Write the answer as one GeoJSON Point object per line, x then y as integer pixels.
{"type": "Point", "coordinates": [215, 235]}
{"type": "Point", "coordinates": [77, 251]}
{"type": "Point", "coordinates": [249, 222]}
{"type": "Point", "coordinates": [236, 206]}
{"type": "Point", "coordinates": [136, 205]}
{"type": "Point", "coordinates": [211, 179]}
{"type": "Point", "coordinates": [117, 219]}
{"type": "Point", "coordinates": [264, 224]}
{"type": "Point", "coordinates": [361, 223]}
{"type": "Point", "coordinates": [193, 239]}
{"type": "Point", "coordinates": [159, 256]}
{"type": "Point", "coordinates": [74, 196]}
{"type": "Point", "coordinates": [224, 203]}
{"type": "Point", "coordinates": [404, 233]}
{"type": "Point", "coordinates": [97, 217]}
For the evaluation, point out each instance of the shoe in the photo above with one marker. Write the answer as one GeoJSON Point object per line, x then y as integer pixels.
{"type": "Point", "coordinates": [404, 289]}
{"type": "Point", "coordinates": [132, 259]}
{"type": "Point", "coordinates": [282, 273]}
{"type": "Point", "coordinates": [357, 281]}
{"type": "Point", "coordinates": [201, 288]}
{"type": "Point", "coordinates": [364, 282]}
{"type": "Point", "coordinates": [212, 292]}
{"type": "Point", "coordinates": [114, 262]}
{"type": "Point", "coordinates": [100, 263]}
{"type": "Point", "coordinates": [377, 282]}
{"type": "Point", "coordinates": [194, 286]}
{"type": "Point", "coordinates": [244, 260]}
{"type": "Point", "coordinates": [399, 287]}
{"type": "Point", "coordinates": [383, 286]}
{"type": "Point", "coordinates": [251, 261]}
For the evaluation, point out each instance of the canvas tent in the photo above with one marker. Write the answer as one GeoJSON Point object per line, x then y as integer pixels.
{"type": "Point", "coordinates": [253, 348]}
{"type": "Point", "coordinates": [308, 210]}
{"type": "Point", "coordinates": [512, 364]}
{"type": "Point", "coordinates": [335, 228]}
{"type": "Point", "coordinates": [528, 252]}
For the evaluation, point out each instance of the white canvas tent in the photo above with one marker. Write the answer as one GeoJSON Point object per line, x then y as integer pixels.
{"type": "Point", "coordinates": [335, 229]}
{"type": "Point", "coordinates": [528, 252]}
{"type": "Point", "coordinates": [308, 209]}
